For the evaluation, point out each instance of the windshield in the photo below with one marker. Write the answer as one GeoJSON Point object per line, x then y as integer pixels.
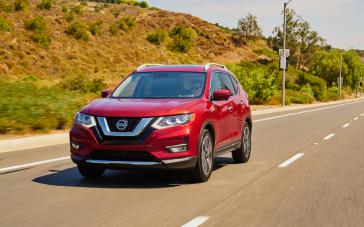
{"type": "Point", "coordinates": [162, 85]}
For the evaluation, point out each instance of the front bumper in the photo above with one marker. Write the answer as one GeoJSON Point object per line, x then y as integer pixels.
{"type": "Point", "coordinates": [153, 145]}
{"type": "Point", "coordinates": [180, 163]}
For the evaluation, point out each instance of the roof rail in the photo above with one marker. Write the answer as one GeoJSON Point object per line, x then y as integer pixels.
{"type": "Point", "coordinates": [208, 65]}
{"type": "Point", "coordinates": [146, 65]}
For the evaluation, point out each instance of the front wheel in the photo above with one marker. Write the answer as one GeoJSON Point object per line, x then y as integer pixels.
{"type": "Point", "coordinates": [90, 172]}
{"type": "Point", "coordinates": [204, 166]}
{"type": "Point", "coordinates": [242, 154]}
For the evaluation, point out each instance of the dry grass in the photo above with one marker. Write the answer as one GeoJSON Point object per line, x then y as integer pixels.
{"type": "Point", "coordinates": [104, 54]}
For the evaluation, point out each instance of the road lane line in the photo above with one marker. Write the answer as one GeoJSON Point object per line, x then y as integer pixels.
{"type": "Point", "coordinates": [346, 125]}
{"type": "Point", "coordinates": [303, 112]}
{"type": "Point", "coordinates": [329, 136]}
{"type": "Point", "coordinates": [24, 166]}
{"type": "Point", "coordinates": [362, 114]}
{"type": "Point", "coordinates": [196, 221]}
{"type": "Point", "coordinates": [355, 118]}
{"type": "Point", "coordinates": [291, 160]}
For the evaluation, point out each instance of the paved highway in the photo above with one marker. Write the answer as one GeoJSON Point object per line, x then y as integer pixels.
{"type": "Point", "coordinates": [306, 169]}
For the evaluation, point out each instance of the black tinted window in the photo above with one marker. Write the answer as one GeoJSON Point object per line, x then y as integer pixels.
{"type": "Point", "coordinates": [235, 83]}
{"type": "Point", "coordinates": [227, 83]}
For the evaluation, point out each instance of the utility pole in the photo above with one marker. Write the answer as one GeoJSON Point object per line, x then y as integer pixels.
{"type": "Point", "coordinates": [284, 57]}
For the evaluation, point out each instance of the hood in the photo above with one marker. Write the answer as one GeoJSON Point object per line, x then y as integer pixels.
{"type": "Point", "coordinates": [112, 107]}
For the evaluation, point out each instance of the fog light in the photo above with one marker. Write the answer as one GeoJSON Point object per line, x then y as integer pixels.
{"type": "Point", "coordinates": [177, 148]}
{"type": "Point", "coordinates": [75, 146]}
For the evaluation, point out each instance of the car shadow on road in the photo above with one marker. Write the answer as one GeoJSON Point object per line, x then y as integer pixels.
{"type": "Point", "coordinates": [124, 179]}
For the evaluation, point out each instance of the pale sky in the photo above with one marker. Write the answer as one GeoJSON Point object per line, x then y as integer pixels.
{"type": "Point", "coordinates": [340, 22]}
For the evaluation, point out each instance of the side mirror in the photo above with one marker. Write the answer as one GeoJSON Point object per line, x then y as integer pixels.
{"type": "Point", "coordinates": [105, 93]}
{"type": "Point", "coordinates": [220, 95]}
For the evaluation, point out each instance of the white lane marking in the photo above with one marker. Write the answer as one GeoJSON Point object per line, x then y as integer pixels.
{"type": "Point", "coordinates": [355, 118]}
{"type": "Point", "coordinates": [362, 114]}
{"type": "Point", "coordinates": [315, 143]}
{"type": "Point", "coordinates": [196, 221]}
{"type": "Point", "coordinates": [24, 166]}
{"type": "Point", "coordinates": [291, 160]}
{"type": "Point", "coordinates": [346, 125]}
{"type": "Point", "coordinates": [329, 136]}
{"type": "Point", "coordinates": [302, 112]}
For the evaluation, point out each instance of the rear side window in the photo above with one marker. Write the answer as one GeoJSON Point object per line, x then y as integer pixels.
{"type": "Point", "coordinates": [235, 83]}
{"type": "Point", "coordinates": [227, 83]}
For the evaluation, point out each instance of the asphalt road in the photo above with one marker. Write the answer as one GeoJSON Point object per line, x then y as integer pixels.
{"type": "Point", "coordinates": [306, 169]}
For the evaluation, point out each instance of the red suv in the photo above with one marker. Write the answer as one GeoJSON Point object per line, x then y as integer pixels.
{"type": "Point", "coordinates": [164, 116]}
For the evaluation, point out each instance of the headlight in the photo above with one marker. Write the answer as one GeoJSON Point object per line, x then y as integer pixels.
{"type": "Point", "coordinates": [85, 120]}
{"type": "Point", "coordinates": [164, 122]}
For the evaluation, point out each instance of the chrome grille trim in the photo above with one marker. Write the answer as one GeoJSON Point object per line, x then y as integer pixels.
{"type": "Point", "coordinates": [137, 130]}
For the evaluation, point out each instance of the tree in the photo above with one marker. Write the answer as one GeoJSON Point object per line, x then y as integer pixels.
{"type": "Point", "coordinates": [247, 29]}
{"type": "Point", "coordinates": [301, 40]}
{"type": "Point", "coordinates": [327, 66]}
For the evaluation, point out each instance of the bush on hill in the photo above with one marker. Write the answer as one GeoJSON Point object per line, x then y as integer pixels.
{"type": "Point", "coordinates": [183, 39]}
{"type": "Point", "coordinates": [5, 25]}
{"type": "Point", "coordinates": [157, 37]}
{"type": "Point", "coordinates": [78, 31]}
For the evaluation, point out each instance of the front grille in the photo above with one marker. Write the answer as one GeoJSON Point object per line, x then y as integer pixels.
{"type": "Point", "coordinates": [122, 140]}
{"type": "Point", "coordinates": [132, 123]}
{"type": "Point", "coordinates": [122, 156]}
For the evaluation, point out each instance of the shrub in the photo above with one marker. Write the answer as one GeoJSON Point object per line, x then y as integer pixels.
{"type": "Point", "coordinates": [158, 37]}
{"type": "Point", "coordinates": [96, 85]}
{"type": "Point", "coordinates": [69, 16]}
{"type": "Point", "coordinates": [77, 10]}
{"type": "Point", "coordinates": [5, 25]}
{"type": "Point", "coordinates": [113, 29]}
{"type": "Point", "coordinates": [21, 5]}
{"type": "Point", "coordinates": [257, 80]}
{"type": "Point", "coordinates": [45, 4]}
{"type": "Point", "coordinates": [42, 38]}
{"type": "Point", "coordinates": [304, 96]}
{"type": "Point", "coordinates": [183, 38]}
{"type": "Point", "coordinates": [95, 27]}
{"type": "Point", "coordinates": [64, 9]}
{"type": "Point", "coordinates": [78, 31]}
{"type": "Point", "coordinates": [332, 93]}
{"type": "Point", "coordinates": [80, 83]}
{"type": "Point", "coordinates": [36, 23]}
{"type": "Point", "coordinates": [125, 23]}
{"type": "Point", "coordinates": [143, 4]}
{"type": "Point", "coordinates": [128, 2]}
{"type": "Point", "coordinates": [317, 84]}
{"type": "Point", "coordinates": [5, 6]}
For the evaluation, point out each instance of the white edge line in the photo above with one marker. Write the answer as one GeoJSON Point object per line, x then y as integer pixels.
{"type": "Point", "coordinates": [291, 160]}
{"type": "Point", "coordinates": [329, 136]}
{"type": "Point", "coordinates": [197, 221]}
{"type": "Point", "coordinates": [356, 118]}
{"type": "Point", "coordinates": [23, 166]}
{"type": "Point", "coordinates": [302, 112]}
{"type": "Point", "coordinates": [346, 125]}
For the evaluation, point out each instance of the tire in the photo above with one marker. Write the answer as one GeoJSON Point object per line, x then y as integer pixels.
{"type": "Point", "coordinates": [90, 172]}
{"type": "Point", "coordinates": [205, 161]}
{"type": "Point", "coordinates": [242, 154]}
